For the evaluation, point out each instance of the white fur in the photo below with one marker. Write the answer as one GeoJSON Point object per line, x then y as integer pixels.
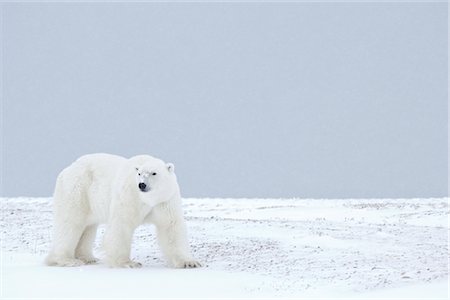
{"type": "Point", "coordinates": [103, 188]}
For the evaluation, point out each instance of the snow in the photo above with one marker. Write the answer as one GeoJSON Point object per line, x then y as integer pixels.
{"type": "Point", "coordinates": [251, 248]}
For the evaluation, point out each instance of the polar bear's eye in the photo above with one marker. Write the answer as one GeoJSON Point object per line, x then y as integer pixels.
{"type": "Point", "coordinates": [153, 173]}
{"type": "Point", "coordinates": [139, 174]}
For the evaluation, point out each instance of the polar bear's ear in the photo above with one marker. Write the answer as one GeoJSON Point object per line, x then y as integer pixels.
{"type": "Point", "coordinates": [170, 167]}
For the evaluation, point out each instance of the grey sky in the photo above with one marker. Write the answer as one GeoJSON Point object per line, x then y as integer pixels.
{"type": "Point", "coordinates": [248, 100]}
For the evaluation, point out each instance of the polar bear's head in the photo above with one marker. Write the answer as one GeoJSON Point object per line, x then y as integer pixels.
{"type": "Point", "coordinates": [154, 178]}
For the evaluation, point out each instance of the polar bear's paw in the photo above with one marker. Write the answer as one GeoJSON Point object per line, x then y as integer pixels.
{"type": "Point", "coordinates": [88, 260]}
{"type": "Point", "coordinates": [192, 264]}
{"type": "Point", "coordinates": [131, 264]}
{"type": "Point", "coordinates": [66, 262]}
{"type": "Point", "coordinates": [127, 264]}
{"type": "Point", "coordinates": [187, 264]}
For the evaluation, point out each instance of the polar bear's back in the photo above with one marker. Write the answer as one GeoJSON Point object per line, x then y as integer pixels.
{"type": "Point", "coordinates": [98, 167]}
{"type": "Point", "coordinates": [102, 162]}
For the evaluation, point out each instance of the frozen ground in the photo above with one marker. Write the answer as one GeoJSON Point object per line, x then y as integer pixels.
{"type": "Point", "coordinates": [251, 248]}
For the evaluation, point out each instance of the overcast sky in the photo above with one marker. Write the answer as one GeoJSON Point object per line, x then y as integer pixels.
{"type": "Point", "coordinates": [248, 100]}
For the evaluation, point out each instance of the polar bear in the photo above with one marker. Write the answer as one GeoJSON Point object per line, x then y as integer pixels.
{"type": "Point", "coordinates": [122, 193]}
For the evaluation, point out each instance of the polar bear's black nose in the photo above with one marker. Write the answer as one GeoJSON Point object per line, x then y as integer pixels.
{"type": "Point", "coordinates": [142, 186]}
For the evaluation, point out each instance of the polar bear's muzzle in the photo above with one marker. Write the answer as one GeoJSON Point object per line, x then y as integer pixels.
{"type": "Point", "coordinates": [143, 187]}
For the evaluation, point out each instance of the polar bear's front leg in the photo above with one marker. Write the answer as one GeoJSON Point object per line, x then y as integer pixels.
{"type": "Point", "coordinates": [173, 242]}
{"type": "Point", "coordinates": [172, 237]}
{"type": "Point", "coordinates": [117, 245]}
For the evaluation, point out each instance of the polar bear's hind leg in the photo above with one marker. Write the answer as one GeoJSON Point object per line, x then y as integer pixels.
{"type": "Point", "coordinates": [66, 237]}
{"type": "Point", "coordinates": [70, 219]}
{"type": "Point", "coordinates": [85, 245]}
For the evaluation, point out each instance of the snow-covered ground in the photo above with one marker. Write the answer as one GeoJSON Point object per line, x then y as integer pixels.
{"type": "Point", "coordinates": [366, 248]}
